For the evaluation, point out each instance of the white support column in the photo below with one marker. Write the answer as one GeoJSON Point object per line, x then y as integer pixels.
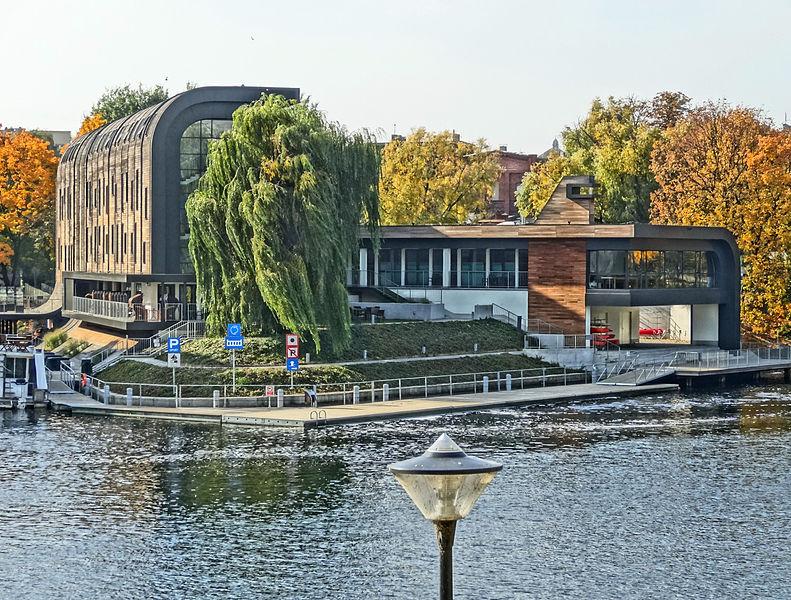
{"type": "Point", "coordinates": [363, 267]}
{"type": "Point", "coordinates": [446, 267]}
{"type": "Point", "coordinates": [587, 326]}
{"type": "Point", "coordinates": [376, 269]}
{"type": "Point", "coordinates": [430, 266]}
{"type": "Point", "coordinates": [403, 267]}
{"type": "Point", "coordinates": [488, 267]}
{"type": "Point", "coordinates": [458, 267]}
{"type": "Point", "coordinates": [516, 267]}
{"type": "Point", "coordinates": [349, 280]}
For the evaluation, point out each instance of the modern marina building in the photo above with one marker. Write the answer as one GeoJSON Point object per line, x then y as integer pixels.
{"type": "Point", "coordinates": [563, 274]}
{"type": "Point", "coordinates": [123, 262]}
{"type": "Point", "coordinates": [121, 228]}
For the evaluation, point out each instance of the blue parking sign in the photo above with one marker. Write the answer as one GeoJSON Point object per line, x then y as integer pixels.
{"type": "Point", "coordinates": [174, 345]}
{"type": "Point", "coordinates": [234, 340]}
{"type": "Point", "coordinates": [292, 364]}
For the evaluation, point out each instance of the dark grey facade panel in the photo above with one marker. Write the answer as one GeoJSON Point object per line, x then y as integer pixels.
{"type": "Point", "coordinates": [180, 112]}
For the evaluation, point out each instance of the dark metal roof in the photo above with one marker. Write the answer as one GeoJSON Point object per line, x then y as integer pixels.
{"type": "Point", "coordinates": [141, 125]}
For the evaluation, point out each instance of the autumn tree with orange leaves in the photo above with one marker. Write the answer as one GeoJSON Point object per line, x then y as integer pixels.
{"type": "Point", "coordinates": [90, 123]}
{"type": "Point", "coordinates": [725, 166]}
{"type": "Point", "coordinates": [27, 193]}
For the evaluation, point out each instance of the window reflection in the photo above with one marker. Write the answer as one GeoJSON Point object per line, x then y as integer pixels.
{"type": "Point", "coordinates": [650, 269]}
{"type": "Point", "coordinates": [192, 161]}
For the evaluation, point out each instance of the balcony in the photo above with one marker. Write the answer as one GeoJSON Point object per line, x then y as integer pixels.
{"type": "Point", "coordinates": [136, 312]}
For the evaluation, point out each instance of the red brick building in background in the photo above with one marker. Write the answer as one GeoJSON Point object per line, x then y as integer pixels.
{"type": "Point", "coordinates": [514, 165]}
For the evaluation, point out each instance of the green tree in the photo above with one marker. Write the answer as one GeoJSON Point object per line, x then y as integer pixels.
{"type": "Point", "coordinates": [613, 143]}
{"type": "Point", "coordinates": [435, 178]}
{"type": "Point", "coordinates": [275, 219]}
{"type": "Point", "coordinates": [125, 100]}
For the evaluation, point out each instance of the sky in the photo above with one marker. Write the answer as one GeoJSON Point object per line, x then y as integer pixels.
{"type": "Point", "coordinates": [514, 73]}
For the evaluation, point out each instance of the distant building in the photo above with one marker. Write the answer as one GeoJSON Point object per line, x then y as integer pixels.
{"type": "Point", "coordinates": [555, 149]}
{"type": "Point", "coordinates": [57, 139]}
{"type": "Point", "coordinates": [513, 167]}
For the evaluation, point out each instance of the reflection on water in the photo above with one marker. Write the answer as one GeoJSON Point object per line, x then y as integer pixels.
{"type": "Point", "coordinates": [666, 497]}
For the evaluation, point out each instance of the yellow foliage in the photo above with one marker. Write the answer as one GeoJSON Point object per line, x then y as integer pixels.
{"type": "Point", "coordinates": [726, 167]}
{"type": "Point", "coordinates": [90, 123]}
{"type": "Point", "coordinates": [432, 178]}
{"type": "Point", "coordinates": [539, 183]}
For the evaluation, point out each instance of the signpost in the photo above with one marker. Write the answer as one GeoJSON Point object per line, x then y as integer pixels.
{"type": "Point", "coordinates": [292, 354]}
{"type": "Point", "coordinates": [234, 341]}
{"type": "Point", "coordinates": [174, 360]}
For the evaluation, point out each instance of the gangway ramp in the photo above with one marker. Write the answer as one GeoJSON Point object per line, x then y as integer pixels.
{"type": "Point", "coordinates": [640, 376]}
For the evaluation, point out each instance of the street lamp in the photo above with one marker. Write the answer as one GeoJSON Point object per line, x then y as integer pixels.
{"type": "Point", "coordinates": [444, 483]}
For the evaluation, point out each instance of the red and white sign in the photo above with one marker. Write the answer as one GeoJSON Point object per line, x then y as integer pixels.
{"type": "Point", "coordinates": [292, 351]}
{"type": "Point", "coordinates": [292, 339]}
{"type": "Point", "coordinates": [270, 390]}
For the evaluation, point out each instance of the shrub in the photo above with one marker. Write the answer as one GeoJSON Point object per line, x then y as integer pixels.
{"type": "Point", "coordinates": [54, 339]}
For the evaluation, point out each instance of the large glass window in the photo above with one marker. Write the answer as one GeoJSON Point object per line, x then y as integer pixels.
{"type": "Point", "coordinates": [473, 268]}
{"type": "Point", "coordinates": [649, 269]}
{"type": "Point", "coordinates": [607, 269]}
{"type": "Point", "coordinates": [389, 267]}
{"type": "Point", "coordinates": [192, 158]}
{"type": "Point", "coordinates": [523, 265]}
{"type": "Point", "coordinates": [416, 267]}
{"type": "Point", "coordinates": [502, 267]}
{"type": "Point", "coordinates": [436, 267]}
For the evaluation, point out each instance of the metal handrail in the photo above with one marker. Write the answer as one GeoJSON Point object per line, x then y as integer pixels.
{"type": "Point", "coordinates": [425, 279]}
{"type": "Point", "coordinates": [409, 386]}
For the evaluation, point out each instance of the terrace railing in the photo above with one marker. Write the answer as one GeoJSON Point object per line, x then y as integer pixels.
{"type": "Point", "coordinates": [338, 393]}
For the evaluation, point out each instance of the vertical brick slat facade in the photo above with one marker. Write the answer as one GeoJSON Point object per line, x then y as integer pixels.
{"type": "Point", "coordinates": [556, 286]}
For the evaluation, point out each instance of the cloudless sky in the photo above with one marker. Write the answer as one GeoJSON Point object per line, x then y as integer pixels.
{"type": "Point", "coordinates": [512, 72]}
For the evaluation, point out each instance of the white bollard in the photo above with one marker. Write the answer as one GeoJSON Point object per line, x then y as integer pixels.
{"type": "Point", "coordinates": [356, 394]}
{"type": "Point", "coordinates": [106, 392]}
{"type": "Point", "coordinates": [365, 354]}
{"type": "Point", "coordinates": [128, 396]}
{"type": "Point", "coordinates": [508, 382]}
{"type": "Point", "coordinates": [215, 401]}
{"type": "Point", "coordinates": [280, 398]}
{"type": "Point", "coordinates": [485, 384]}
{"type": "Point", "coordinates": [385, 392]}
{"type": "Point", "coordinates": [307, 357]}
{"type": "Point", "coordinates": [475, 347]}
{"type": "Point", "coordinates": [422, 349]}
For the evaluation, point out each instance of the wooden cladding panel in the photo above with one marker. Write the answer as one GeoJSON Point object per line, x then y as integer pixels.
{"type": "Point", "coordinates": [556, 283]}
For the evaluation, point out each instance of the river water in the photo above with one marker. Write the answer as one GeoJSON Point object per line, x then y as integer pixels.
{"type": "Point", "coordinates": [678, 496]}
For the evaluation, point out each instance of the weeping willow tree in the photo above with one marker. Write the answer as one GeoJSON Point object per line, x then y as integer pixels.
{"type": "Point", "coordinates": [275, 218]}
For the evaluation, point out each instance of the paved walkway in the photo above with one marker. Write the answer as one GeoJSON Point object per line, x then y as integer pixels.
{"type": "Point", "coordinates": [307, 418]}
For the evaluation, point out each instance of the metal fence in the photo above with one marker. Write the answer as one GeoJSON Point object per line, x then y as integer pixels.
{"type": "Point", "coordinates": [124, 311]}
{"type": "Point", "coordinates": [733, 358]}
{"type": "Point", "coordinates": [335, 393]}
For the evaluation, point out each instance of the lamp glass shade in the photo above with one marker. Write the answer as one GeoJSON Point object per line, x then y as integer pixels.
{"type": "Point", "coordinates": [444, 483]}
{"type": "Point", "coordinates": [444, 497]}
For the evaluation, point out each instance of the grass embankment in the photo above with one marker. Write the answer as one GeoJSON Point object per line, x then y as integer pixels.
{"type": "Point", "coordinates": [386, 340]}
{"type": "Point", "coordinates": [132, 371]}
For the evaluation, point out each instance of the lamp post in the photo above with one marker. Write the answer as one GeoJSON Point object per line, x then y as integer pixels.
{"type": "Point", "coordinates": [444, 483]}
